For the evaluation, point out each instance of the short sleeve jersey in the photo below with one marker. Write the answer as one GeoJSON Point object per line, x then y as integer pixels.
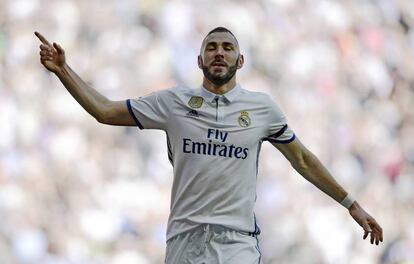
{"type": "Point", "coordinates": [213, 144]}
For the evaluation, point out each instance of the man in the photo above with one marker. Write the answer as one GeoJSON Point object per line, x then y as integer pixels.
{"type": "Point", "coordinates": [214, 134]}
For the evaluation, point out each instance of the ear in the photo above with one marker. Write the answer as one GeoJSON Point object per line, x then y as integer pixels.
{"type": "Point", "coordinates": [200, 62]}
{"type": "Point", "coordinates": [240, 62]}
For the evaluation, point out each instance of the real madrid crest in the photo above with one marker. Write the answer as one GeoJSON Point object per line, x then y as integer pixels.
{"type": "Point", "coordinates": [244, 119]}
{"type": "Point", "coordinates": [195, 101]}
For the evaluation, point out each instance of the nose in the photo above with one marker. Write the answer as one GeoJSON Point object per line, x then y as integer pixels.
{"type": "Point", "coordinates": [219, 52]}
{"type": "Point", "coordinates": [219, 56]}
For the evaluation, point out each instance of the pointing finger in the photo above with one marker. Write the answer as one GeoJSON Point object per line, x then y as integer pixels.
{"type": "Point", "coordinates": [41, 38]}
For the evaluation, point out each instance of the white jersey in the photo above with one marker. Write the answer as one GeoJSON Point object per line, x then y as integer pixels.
{"type": "Point", "coordinates": [213, 144]}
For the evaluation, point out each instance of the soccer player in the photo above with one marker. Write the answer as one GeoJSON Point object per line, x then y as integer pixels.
{"type": "Point", "coordinates": [214, 134]}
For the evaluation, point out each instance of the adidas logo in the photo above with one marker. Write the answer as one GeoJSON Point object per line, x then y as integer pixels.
{"type": "Point", "coordinates": [193, 113]}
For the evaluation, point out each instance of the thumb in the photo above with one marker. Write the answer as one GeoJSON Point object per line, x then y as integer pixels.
{"type": "Point", "coordinates": [58, 48]}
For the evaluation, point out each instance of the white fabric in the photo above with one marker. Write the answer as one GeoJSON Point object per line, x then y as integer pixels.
{"type": "Point", "coordinates": [348, 201]}
{"type": "Point", "coordinates": [214, 151]}
{"type": "Point", "coordinates": [209, 246]}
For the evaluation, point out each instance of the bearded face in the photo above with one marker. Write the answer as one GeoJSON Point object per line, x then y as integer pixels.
{"type": "Point", "coordinates": [220, 58]}
{"type": "Point", "coordinates": [219, 72]}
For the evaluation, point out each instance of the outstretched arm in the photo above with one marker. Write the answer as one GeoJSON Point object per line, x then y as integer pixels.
{"type": "Point", "coordinates": [102, 109]}
{"type": "Point", "coordinates": [308, 165]}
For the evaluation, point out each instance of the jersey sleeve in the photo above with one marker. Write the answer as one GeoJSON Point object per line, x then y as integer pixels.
{"type": "Point", "coordinates": [150, 111]}
{"type": "Point", "coordinates": [278, 128]}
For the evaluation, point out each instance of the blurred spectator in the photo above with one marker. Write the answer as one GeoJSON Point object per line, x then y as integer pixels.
{"type": "Point", "coordinates": [75, 191]}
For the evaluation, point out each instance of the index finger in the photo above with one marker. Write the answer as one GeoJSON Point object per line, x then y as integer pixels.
{"type": "Point", "coordinates": [41, 38]}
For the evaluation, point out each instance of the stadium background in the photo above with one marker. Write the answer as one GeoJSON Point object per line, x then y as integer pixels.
{"type": "Point", "coordinates": [76, 191]}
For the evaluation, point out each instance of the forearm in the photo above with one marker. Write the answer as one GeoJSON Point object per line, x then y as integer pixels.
{"type": "Point", "coordinates": [314, 171]}
{"type": "Point", "coordinates": [92, 101]}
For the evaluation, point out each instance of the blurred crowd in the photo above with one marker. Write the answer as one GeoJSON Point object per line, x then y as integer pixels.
{"type": "Point", "coordinates": [73, 191]}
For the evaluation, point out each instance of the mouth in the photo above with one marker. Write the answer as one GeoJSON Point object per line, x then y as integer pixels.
{"type": "Point", "coordinates": [219, 64]}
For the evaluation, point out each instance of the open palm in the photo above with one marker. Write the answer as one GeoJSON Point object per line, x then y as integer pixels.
{"type": "Point", "coordinates": [51, 56]}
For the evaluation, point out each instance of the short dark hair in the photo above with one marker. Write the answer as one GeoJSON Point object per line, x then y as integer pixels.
{"type": "Point", "coordinates": [221, 29]}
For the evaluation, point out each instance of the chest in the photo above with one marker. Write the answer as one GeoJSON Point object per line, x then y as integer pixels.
{"type": "Point", "coordinates": [217, 122]}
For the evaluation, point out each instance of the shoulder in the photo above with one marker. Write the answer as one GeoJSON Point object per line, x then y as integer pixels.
{"type": "Point", "coordinates": [172, 92]}
{"type": "Point", "coordinates": [180, 90]}
{"type": "Point", "coordinates": [177, 95]}
{"type": "Point", "coordinates": [261, 97]}
{"type": "Point", "coordinates": [265, 102]}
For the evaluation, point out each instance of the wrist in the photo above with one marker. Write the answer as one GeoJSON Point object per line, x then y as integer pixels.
{"type": "Point", "coordinates": [348, 201]}
{"type": "Point", "coordinates": [61, 70]}
{"type": "Point", "coordinates": [354, 206]}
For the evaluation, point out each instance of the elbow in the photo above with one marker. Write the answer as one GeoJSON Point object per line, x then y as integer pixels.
{"type": "Point", "coordinates": [302, 162]}
{"type": "Point", "coordinates": [104, 119]}
{"type": "Point", "coordinates": [100, 119]}
{"type": "Point", "coordinates": [300, 165]}
{"type": "Point", "coordinates": [102, 115]}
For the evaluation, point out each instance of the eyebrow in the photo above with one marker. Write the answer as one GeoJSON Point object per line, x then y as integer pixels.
{"type": "Point", "coordinates": [215, 43]}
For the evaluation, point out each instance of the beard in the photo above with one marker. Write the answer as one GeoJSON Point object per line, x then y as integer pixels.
{"type": "Point", "coordinates": [218, 80]}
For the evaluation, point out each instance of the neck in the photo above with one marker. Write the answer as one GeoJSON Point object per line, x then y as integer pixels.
{"type": "Point", "coordinates": [219, 89]}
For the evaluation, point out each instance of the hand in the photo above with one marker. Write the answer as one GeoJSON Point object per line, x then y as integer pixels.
{"type": "Point", "coordinates": [51, 56]}
{"type": "Point", "coordinates": [367, 222]}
